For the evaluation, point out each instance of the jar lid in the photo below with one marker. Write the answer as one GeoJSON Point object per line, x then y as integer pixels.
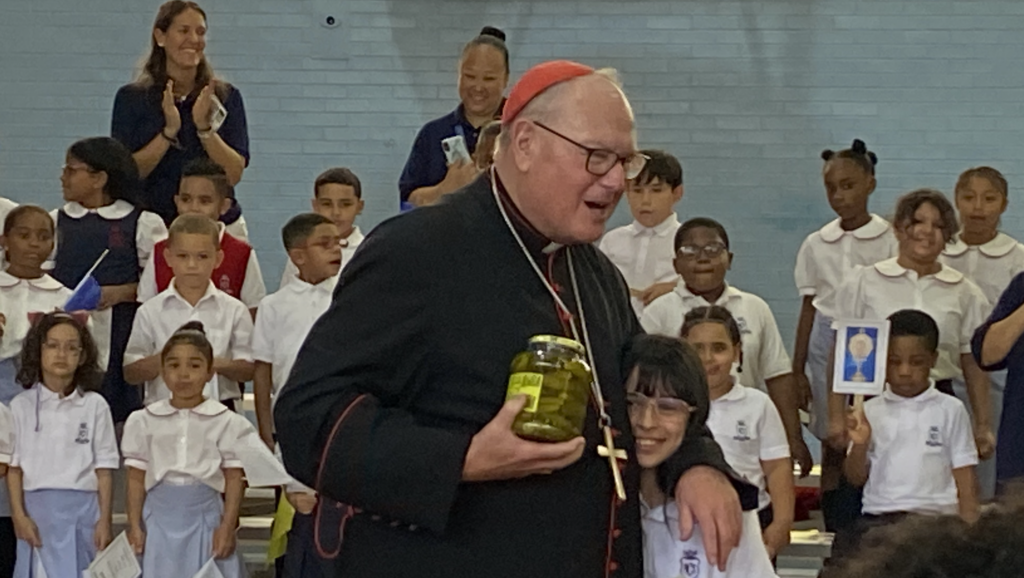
{"type": "Point", "coordinates": [559, 340]}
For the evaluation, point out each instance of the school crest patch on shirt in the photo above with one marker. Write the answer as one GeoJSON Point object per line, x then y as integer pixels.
{"type": "Point", "coordinates": [115, 237]}
{"type": "Point", "coordinates": [690, 564]}
{"type": "Point", "coordinates": [742, 431]}
{"type": "Point", "coordinates": [83, 434]}
{"type": "Point", "coordinates": [743, 326]}
{"type": "Point", "coordinates": [934, 437]}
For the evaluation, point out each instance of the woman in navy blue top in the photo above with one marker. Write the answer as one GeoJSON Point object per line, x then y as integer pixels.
{"type": "Point", "coordinates": [165, 116]}
{"type": "Point", "coordinates": [997, 344]}
{"type": "Point", "coordinates": [483, 76]}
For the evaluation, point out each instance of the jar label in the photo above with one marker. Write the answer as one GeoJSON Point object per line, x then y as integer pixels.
{"type": "Point", "coordinates": [528, 384]}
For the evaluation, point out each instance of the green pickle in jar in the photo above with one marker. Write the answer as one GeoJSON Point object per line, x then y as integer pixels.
{"type": "Point", "coordinates": [554, 377]}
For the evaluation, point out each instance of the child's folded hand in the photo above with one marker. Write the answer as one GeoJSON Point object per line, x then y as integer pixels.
{"type": "Point", "coordinates": [137, 538]}
{"type": "Point", "coordinates": [857, 427]}
{"type": "Point", "coordinates": [302, 502]}
{"type": "Point", "coordinates": [223, 541]}
{"type": "Point", "coordinates": [25, 529]}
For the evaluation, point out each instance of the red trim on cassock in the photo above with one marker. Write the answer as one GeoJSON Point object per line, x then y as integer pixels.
{"type": "Point", "coordinates": [349, 510]}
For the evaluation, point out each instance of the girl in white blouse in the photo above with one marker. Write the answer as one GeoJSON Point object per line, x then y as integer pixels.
{"type": "Point", "coordinates": [183, 455]}
{"type": "Point", "coordinates": [60, 476]}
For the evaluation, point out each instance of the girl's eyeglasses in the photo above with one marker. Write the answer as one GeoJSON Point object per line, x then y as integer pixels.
{"type": "Point", "coordinates": [669, 408]}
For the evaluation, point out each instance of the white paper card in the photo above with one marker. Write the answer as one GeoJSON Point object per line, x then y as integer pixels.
{"type": "Point", "coordinates": [209, 570]}
{"type": "Point", "coordinates": [116, 561]}
{"type": "Point", "coordinates": [261, 468]}
{"type": "Point", "coordinates": [862, 347]}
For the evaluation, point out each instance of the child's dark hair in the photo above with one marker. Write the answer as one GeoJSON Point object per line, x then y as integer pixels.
{"type": "Point", "coordinates": [909, 203]}
{"type": "Point", "coordinates": [88, 375]}
{"type": "Point", "coordinates": [300, 227]}
{"type": "Point", "coordinates": [911, 322]}
{"type": "Point", "coordinates": [696, 223]}
{"type": "Point", "coordinates": [489, 36]}
{"type": "Point", "coordinates": [858, 153]}
{"type": "Point", "coordinates": [16, 213]}
{"type": "Point", "coordinates": [208, 169]}
{"type": "Point", "coordinates": [338, 176]}
{"type": "Point", "coordinates": [191, 333]}
{"type": "Point", "coordinates": [662, 166]}
{"type": "Point", "coordinates": [107, 155]}
{"type": "Point", "coordinates": [713, 314]}
{"type": "Point", "coordinates": [990, 174]}
{"type": "Point", "coordinates": [668, 366]}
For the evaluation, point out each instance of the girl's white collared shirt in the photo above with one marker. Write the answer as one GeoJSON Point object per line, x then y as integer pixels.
{"type": "Point", "coordinates": [184, 446]}
{"type": "Point", "coordinates": [955, 303]}
{"type": "Point", "coordinates": [18, 298]}
{"type": "Point", "coordinates": [828, 255]}
{"type": "Point", "coordinates": [60, 442]}
{"type": "Point", "coordinates": [991, 266]}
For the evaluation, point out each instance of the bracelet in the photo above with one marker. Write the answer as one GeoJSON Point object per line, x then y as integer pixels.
{"type": "Point", "coordinates": [163, 133]}
{"type": "Point", "coordinates": [205, 134]}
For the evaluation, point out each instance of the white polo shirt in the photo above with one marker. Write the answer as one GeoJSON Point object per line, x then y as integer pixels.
{"type": "Point", "coordinates": [955, 303]}
{"type": "Point", "coordinates": [18, 298]}
{"type": "Point", "coordinates": [282, 322]}
{"type": "Point", "coordinates": [991, 266]}
{"type": "Point", "coordinates": [59, 443]}
{"type": "Point", "coordinates": [666, 556]}
{"type": "Point", "coordinates": [6, 436]}
{"type": "Point", "coordinates": [643, 254]}
{"type": "Point", "coordinates": [916, 443]}
{"type": "Point", "coordinates": [749, 430]}
{"type": "Point", "coordinates": [764, 355]}
{"type": "Point", "coordinates": [830, 253]}
{"type": "Point", "coordinates": [184, 446]}
{"type": "Point", "coordinates": [348, 248]}
{"type": "Point", "coordinates": [225, 320]}
{"type": "Point", "coordinates": [253, 289]}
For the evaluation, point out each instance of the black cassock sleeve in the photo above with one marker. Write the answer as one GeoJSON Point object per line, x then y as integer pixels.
{"type": "Point", "coordinates": [339, 418]}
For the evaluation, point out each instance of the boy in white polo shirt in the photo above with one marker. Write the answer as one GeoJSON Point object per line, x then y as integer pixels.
{"type": "Point", "coordinates": [702, 260]}
{"type": "Point", "coordinates": [912, 447]}
{"type": "Point", "coordinates": [193, 252]}
{"type": "Point", "coordinates": [282, 323]}
{"type": "Point", "coordinates": [337, 195]}
{"type": "Point", "coordinates": [643, 249]}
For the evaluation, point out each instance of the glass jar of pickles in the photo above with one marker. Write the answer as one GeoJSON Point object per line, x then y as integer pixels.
{"type": "Point", "coordinates": [555, 378]}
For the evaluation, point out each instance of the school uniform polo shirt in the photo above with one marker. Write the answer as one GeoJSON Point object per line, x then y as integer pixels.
{"type": "Point", "coordinates": [18, 298]}
{"type": "Point", "coordinates": [955, 303]}
{"type": "Point", "coordinates": [828, 255]}
{"type": "Point", "coordinates": [251, 292]}
{"type": "Point", "coordinates": [749, 430]}
{"type": "Point", "coordinates": [348, 248]}
{"type": "Point", "coordinates": [643, 254]}
{"type": "Point", "coordinates": [991, 266]}
{"type": "Point", "coordinates": [764, 355]}
{"type": "Point", "coordinates": [184, 446]}
{"type": "Point", "coordinates": [666, 556]}
{"type": "Point", "coordinates": [225, 320]}
{"type": "Point", "coordinates": [916, 443]}
{"type": "Point", "coordinates": [282, 322]}
{"type": "Point", "coordinates": [60, 442]}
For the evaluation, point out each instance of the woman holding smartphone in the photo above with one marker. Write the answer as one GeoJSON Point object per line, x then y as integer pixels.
{"type": "Point", "coordinates": [177, 110]}
{"type": "Point", "coordinates": [483, 76]}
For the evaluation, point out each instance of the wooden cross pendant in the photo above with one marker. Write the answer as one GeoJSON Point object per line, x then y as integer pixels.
{"type": "Point", "coordinates": [608, 450]}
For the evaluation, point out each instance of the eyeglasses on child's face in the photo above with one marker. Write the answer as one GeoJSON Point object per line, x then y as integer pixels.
{"type": "Point", "coordinates": [668, 408]}
{"type": "Point", "coordinates": [695, 252]}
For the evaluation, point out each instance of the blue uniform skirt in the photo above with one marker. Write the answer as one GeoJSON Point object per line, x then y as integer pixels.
{"type": "Point", "coordinates": [179, 522]}
{"type": "Point", "coordinates": [66, 520]}
{"type": "Point", "coordinates": [8, 389]}
{"type": "Point", "coordinates": [818, 349]}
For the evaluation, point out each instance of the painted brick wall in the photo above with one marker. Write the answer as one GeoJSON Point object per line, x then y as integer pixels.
{"type": "Point", "coordinates": [746, 93]}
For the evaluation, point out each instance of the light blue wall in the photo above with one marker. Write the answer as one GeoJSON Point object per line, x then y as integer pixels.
{"type": "Point", "coordinates": [746, 93]}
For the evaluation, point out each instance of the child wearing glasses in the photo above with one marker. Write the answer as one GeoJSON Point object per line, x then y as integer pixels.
{"type": "Point", "coordinates": [702, 260]}
{"type": "Point", "coordinates": [643, 250]}
{"type": "Point", "coordinates": [744, 422]}
{"type": "Point", "coordinates": [668, 400]}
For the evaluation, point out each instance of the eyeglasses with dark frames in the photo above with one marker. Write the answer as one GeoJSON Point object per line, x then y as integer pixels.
{"type": "Point", "coordinates": [601, 161]}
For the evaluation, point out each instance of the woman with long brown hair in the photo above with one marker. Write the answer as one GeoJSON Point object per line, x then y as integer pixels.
{"type": "Point", "coordinates": [173, 112]}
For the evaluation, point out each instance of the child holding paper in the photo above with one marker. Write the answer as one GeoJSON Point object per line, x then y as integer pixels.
{"type": "Point", "coordinates": [183, 502]}
{"type": "Point", "coordinates": [911, 448]}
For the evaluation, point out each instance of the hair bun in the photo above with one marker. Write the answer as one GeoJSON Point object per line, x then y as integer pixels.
{"type": "Point", "coordinates": [492, 31]}
{"type": "Point", "coordinates": [193, 326]}
{"type": "Point", "coordinates": [827, 154]}
{"type": "Point", "coordinates": [873, 158]}
{"type": "Point", "coordinates": [859, 147]}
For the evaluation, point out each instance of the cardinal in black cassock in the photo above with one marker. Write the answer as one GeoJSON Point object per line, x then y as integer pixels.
{"type": "Point", "coordinates": [412, 359]}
